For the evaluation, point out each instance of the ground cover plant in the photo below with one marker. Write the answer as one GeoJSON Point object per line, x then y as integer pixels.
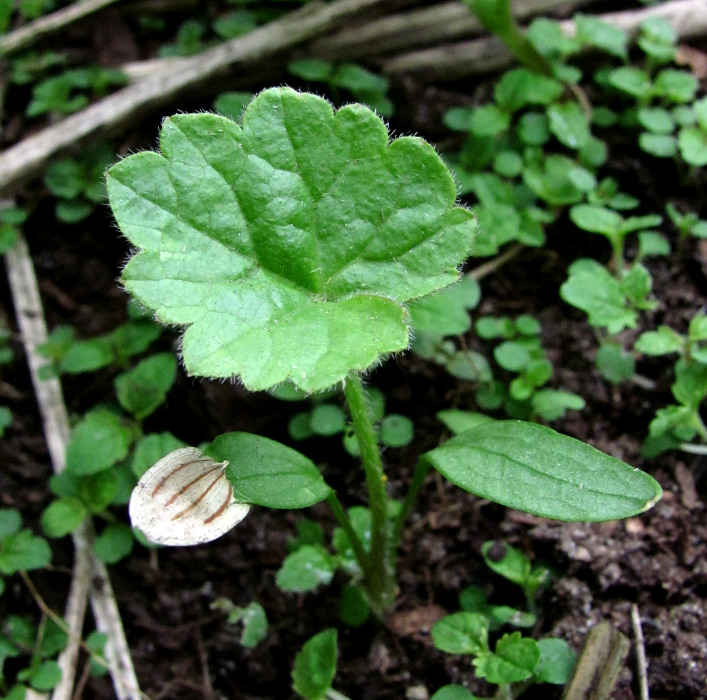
{"type": "Point", "coordinates": [393, 358]}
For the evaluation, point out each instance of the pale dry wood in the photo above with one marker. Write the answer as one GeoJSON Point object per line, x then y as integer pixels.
{"type": "Point", "coordinates": [26, 159]}
{"type": "Point", "coordinates": [388, 34]}
{"type": "Point", "coordinates": [640, 647]}
{"type": "Point", "coordinates": [421, 27]}
{"type": "Point", "coordinates": [25, 36]}
{"type": "Point", "coordinates": [488, 54]}
{"type": "Point", "coordinates": [599, 664]}
{"type": "Point", "coordinates": [30, 319]}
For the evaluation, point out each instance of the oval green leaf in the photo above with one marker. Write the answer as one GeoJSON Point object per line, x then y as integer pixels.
{"type": "Point", "coordinates": [532, 468]}
{"type": "Point", "coordinates": [315, 666]}
{"type": "Point", "coordinates": [267, 473]}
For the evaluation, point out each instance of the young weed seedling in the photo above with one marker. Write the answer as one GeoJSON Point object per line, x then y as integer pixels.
{"type": "Point", "coordinates": [78, 183]}
{"type": "Point", "coordinates": [289, 247]}
{"type": "Point", "coordinates": [517, 661]}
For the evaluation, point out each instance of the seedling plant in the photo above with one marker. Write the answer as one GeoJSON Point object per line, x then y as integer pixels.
{"type": "Point", "coordinates": [289, 247]}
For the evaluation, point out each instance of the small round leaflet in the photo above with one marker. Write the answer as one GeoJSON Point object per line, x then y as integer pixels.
{"type": "Point", "coordinates": [185, 499]}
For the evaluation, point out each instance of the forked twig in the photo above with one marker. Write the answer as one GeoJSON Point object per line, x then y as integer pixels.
{"type": "Point", "coordinates": [30, 319]}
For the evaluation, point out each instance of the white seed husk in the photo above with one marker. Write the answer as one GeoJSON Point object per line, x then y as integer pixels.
{"type": "Point", "coordinates": [185, 499]}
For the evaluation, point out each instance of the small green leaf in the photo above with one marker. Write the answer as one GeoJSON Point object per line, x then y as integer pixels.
{"type": "Point", "coordinates": [151, 448]}
{"type": "Point", "coordinates": [313, 69]}
{"type": "Point", "coordinates": [98, 490]}
{"type": "Point", "coordinates": [532, 468]}
{"type": "Point", "coordinates": [86, 356]}
{"type": "Point", "coordinates": [287, 246]}
{"type": "Point", "coordinates": [652, 243]}
{"type": "Point", "coordinates": [636, 284]}
{"type": "Point", "coordinates": [595, 32]}
{"type": "Point", "coordinates": [96, 642]}
{"type": "Point", "coordinates": [512, 356]}
{"type": "Point", "coordinates": [592, 288]}
{"type": "Point", "coordinates": [396, 430]}
{"type": "Point", "coordinates": [305, 569]}
{"type": "Point", "coordinates": [267, 473]}
{"type": "Point", "coordinates": [615, 364]}
{"type": "Point", "coordinates": [315, 666]}
{"type": "Point", "coordinates": [46, 676]}
{"type": "Point", "coordinates": [520, 87]}
{"type": "Point", "coordinates": [676, 85]}
{"type": "Point", "coordinates": [514, 660]}
{"type": "Point", "coordinates": [692, 142]}
{"type": "Point", "coordinates": [10, 522]}
{"type": "Point", "coordinates": [552, 404]}
{"type": "Point", "coordinates": [533, 128]}
{"type": "Point", "coordinates": [97, 442]}
{"type": "Point", "coordinates": [596, 219]}
{"type": "Point", "coordinates": [358, 80]}
{"type": "Point", "coordinates": [144, 388]}
{"type": "Point", "coordinates": [23, 552]}
{"type": "Point", "coordinates": [255, 623]}
{"type": "Point", "coordinates": [661, 342]}
{"type": "Point", "coordinates": [74, 210]}
{"type": "Point", "coordinates": [133, 338]}
{"type": "Point", "coordinates": [632, 81]}
{"type": "Point", "coordinates": [114, 543]}
{"type": "Point", "coordinates": [658, 145]}
{"type": "Point", "coordinates": [354, 606]}
{"type": "Point", "coordinates": [53, 639]}
{"type": "Point", "coordinates": [232, 104]}
{"type": "Point", "coordinates": [63, 516]}
{"type": "Point", "coordinates": [446, 312]}
{"type": "Point", "coordinates": [327, 419]}
{"type": "Point", "coordinates": [569, 124]}
{"type": "Point", "coordinates": [461, 633]}
{"type": "Point", "coordinates": [498, 224]}
{"type": "Point", "coordinates": [506, 561]}
{"type": "Point", "coordinates": [454, 692]}
{"type": "Point", "coordinates": [657, 120]}
{"type": "Point", "coordinates": [488, 120]}
{"type": "Point", "coordinates": [459, 421]}
{"type": "Point", "coordinates": [657, 39]}
{"type": "Point", "coordinates": [557, 660]}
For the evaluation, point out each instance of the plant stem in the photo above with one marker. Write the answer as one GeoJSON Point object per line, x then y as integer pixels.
{"type": "Point", "coordinates": [345, 523]}
{"type": "Point", "coordinates": [379, 578]}
{"type": "Point", "coordinates": [693, 449]}
{"type": "Point", "coordinates": [421, 471]}
{"type": "Point", "coordinates": [332, 694]}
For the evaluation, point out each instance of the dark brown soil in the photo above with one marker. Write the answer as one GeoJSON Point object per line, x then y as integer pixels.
{"type": "Point", "coordinates": [183, 649]}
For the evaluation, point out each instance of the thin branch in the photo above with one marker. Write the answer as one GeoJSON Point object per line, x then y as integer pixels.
{"type": "Point", "coordinates": [30, 319]}
{"type": "Point", "coordinates": [26, 159]}
{"type": "Point", "coordinates": [478, 273]}
{"type": "Point", "coordinates": [599, 664]}
{"type": "Point", "coordinates": [693, 449]}
{"type": "Point", "coordinates": [453, 61]}
{"type": "Point", "coordinates": [29, 34]}
{"type": "Point", "coordinates": [640, 652]}
{"type": "Point", "coordinates": [420, 27]}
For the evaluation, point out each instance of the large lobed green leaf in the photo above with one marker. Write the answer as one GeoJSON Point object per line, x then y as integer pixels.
{"type": "Point", "coordinates": [287, 245]}
{"type": "Point", "coordinates": [535, 469]}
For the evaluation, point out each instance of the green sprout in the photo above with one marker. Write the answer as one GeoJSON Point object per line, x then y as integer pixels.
{"type": "Point", "coordinates": [289, 248]}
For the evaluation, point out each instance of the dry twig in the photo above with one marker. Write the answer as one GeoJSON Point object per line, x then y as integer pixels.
{"type": "Point", "coordinates": [454, 61]}
{"type": "Point", "coordinates": [30, 319]}
{"type": "Point", "coordinates": [640, 652]}
{"type": "Point", "coordinates": [26, 159]}
{"type": "Point", "coordinates": [29, 34]}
